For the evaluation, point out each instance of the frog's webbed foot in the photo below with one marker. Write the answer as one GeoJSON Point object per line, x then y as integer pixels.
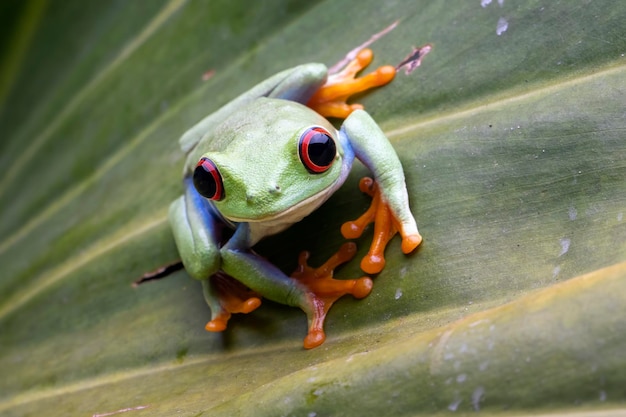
{"type": "Point", "coordinates": [233, 297]}
{"type": "Point", "coordinates": [324, 290]}
{"type": "Point", "coordinates": [330, 99]}
{"type": "Point", "coordinates": [385, 227]}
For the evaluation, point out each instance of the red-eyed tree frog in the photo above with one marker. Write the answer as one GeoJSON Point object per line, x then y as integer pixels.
{"type": "Point", "coordinates": [265, 161]}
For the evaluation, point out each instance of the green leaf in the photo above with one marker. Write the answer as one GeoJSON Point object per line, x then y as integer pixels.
{"type": "Point", "coordinates": [511, 134]}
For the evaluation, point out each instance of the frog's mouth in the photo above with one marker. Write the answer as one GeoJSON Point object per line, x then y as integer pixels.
{"type": "Point", "coordinates": [277, 222]}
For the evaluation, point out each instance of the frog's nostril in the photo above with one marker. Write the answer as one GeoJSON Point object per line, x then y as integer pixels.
{"type": "Point", "coordinates": [261, 196]}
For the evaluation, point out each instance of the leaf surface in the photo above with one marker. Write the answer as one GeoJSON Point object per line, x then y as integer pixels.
{"type": "Point", "coordinates": [511, 134]}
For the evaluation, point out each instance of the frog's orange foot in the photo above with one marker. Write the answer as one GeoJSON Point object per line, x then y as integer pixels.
{"type": "Point", "coordinates": [234, 298]}
{"type": "Point", "coordinates": [331, 99]}
{"type": "Point", "coordinates": [385, 227]}
{"type": "Point", "coordinates": [324, 290]}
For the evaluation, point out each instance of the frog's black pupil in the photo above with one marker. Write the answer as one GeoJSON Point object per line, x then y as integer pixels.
{"type": "Point", "coordinates": [322, 149]}
{"type": "Point", "coordinates": [205, 179]}
{"type": "Point", "coordinates": [317, 150]}
{"type": "Point", "coordinates": [204, 182]}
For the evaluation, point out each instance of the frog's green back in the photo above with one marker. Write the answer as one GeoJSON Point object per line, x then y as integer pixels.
{"type": "Point", "coordinates": [294, 84]}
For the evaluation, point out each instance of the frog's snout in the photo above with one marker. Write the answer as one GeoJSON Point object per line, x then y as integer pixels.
{"type": "Point", "coordinates": [271, 192]}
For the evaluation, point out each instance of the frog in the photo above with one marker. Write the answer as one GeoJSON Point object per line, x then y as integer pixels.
{"type": "Point", "coordinates": [264, 162]}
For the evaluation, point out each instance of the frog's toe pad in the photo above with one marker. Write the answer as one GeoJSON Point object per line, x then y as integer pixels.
{"type": "Point", "coordinates": [409, 243]}
{"type": "Point", "coordinates": [362, 287]}
{"type": "Point", "coordinates": [351, 230]}
{"type": "Point", "coordinates": [373, 263]}
{"type": "Point", "coordinates": [217, 325]}
{"type": "Point", "coordinates": [314, 339]}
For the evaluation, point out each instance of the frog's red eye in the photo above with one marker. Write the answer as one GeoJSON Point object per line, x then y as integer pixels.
{"type": "Point", "coordinates": [317, 150]}
{"type": "Point", "coordinates": [207, 180]}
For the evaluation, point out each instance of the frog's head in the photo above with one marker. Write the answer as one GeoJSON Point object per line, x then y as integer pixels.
{"type": "Point", "coordinates": [279, 157]}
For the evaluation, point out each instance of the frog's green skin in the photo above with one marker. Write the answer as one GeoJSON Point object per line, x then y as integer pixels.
{"type": "Point", "coordinates": [253, 141]}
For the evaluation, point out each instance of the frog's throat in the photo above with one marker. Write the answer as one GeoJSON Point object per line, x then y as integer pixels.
{"type": "Point", "coordinates": [277, 222]}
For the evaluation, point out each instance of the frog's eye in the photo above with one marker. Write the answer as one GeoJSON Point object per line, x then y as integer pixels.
{"type": "Point", "coordinates": [207, 180]}
{"type": "Point", "coordinates": [317, 150]}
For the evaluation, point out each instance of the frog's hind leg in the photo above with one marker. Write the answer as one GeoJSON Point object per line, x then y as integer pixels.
{"type": "Point", "coordinates": [326, 290]}
{"type": "Point", "coordinates": [330, 99]}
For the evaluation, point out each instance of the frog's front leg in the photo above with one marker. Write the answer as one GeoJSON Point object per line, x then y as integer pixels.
{"type": "Point", "coordinates": [197, 233]}
{"type": "Point", "coordinates": [390, 205]}
{"type": "Point", "coordinates": [312, 290]}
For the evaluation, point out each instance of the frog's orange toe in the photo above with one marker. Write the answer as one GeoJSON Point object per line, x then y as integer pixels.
{"type": "Point", "coordinates": [386, 225]}
{"type": "Point", "coordinates": [409, 243]}
{"type": "Point", "coordinates": [217, 324]}
{"type": "Point", "coordinates": [351, 230]}
{"type": "Point", "coordinates": [362, 287]}
{"type": "Point", "coordinates": [373, 263]}
{"type": "Point", "coordinates": [249, 305]}
{"type": "Point", "coordinates": [363, 58]}
{"type": "Point", "coordinates": [323, 290]}
{"type": "Point", "coordinates": [234, 297]}
{"type": "Point", "coordinates": [384, 75]}
{"type": "Point", "coordinates": [331, 99]}
{"type": "Point", "coordinates": [315, 338]}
